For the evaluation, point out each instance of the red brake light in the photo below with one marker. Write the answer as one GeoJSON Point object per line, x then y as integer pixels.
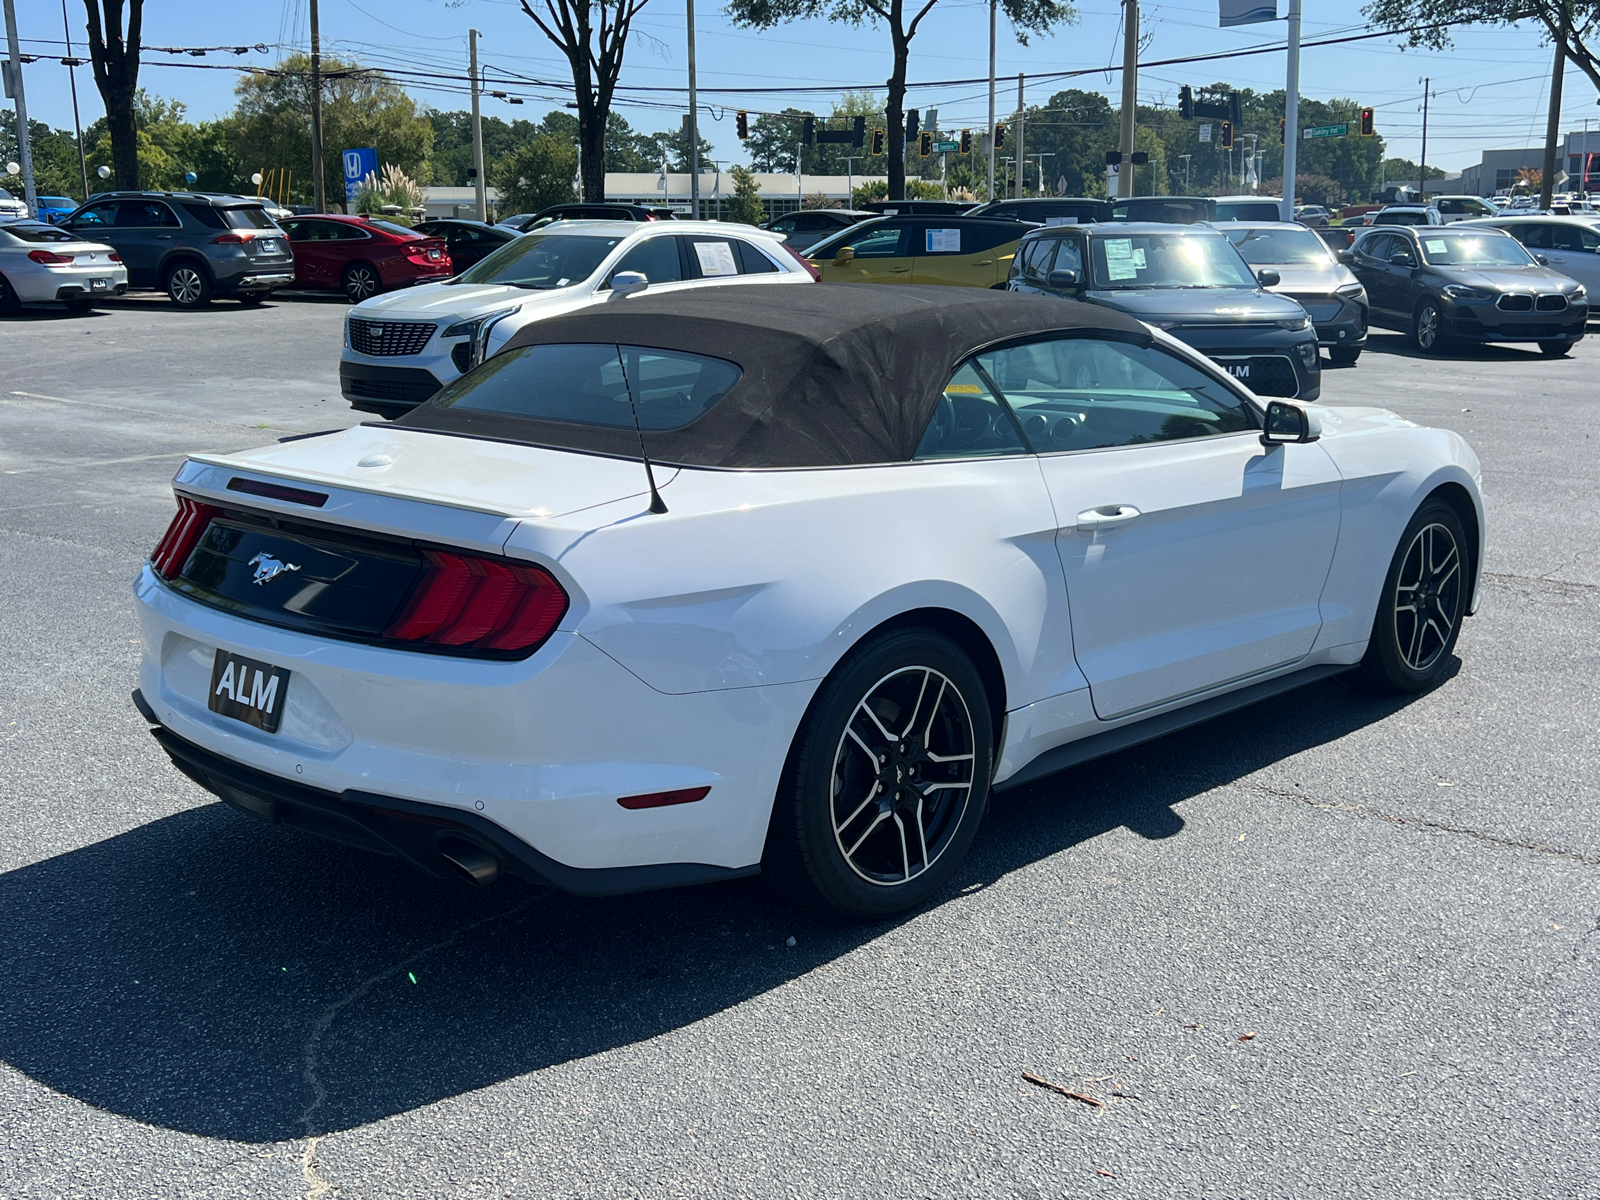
{"type": "Point", "coordinates": [816, 275]}
{"type": "Point", "coordinates": [479, 604]}
{"type": "Point", "coordinates": [175, 546]}
{"type": "Point", "coordinates": [232, 239]}
{"type": "Point", "coordinates": [49, 257]}
{"type": "Point", "coordinates": [115, 257]}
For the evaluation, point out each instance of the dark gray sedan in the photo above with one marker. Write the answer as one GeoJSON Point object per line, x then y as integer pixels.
{"type": "Point", "coordinates": [1308, 271]}
{"type": "Point", "coordinates": [1466, 283]}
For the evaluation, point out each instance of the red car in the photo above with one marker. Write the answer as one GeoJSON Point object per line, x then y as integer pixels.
{"type": "Point", "coordinates": [362, 256]}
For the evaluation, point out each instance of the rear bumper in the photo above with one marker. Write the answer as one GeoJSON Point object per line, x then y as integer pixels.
{"type": "Point", "coordinates": [386, 391]}
{"type": "Point", "coordinates": [263, 280]}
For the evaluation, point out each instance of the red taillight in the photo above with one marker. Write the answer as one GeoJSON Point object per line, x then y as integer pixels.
{"type": "Point", "coordinates": [49, 258]}
{"type": "Point", "coordinates": [232, 239]}
{"type": "Point", "coordinates": [179, 541]}
{"type": "Point", "coordinates": [816, 275]}
{"type": "Point", "coordinates": [479, 604]}
{"type": "Point", "coordinates": [114, 256]}
{"type": "Point", "coordinates": [662, 799]}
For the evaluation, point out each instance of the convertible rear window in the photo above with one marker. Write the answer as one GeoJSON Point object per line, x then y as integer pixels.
{"type": "Point", "coordinates": [589, 384]}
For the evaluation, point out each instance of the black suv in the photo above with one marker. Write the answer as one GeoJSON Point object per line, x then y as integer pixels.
{"type": "Point", "coordinates": [1188, 280]}
{"type": "Point", "coordinates": [1048, 210]}
{"type": "Point", "coordinates": [191, 245]}
{"type": "Point", "coordinates": [528, 222]}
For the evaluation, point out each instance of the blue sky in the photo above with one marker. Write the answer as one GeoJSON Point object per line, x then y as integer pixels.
{"type": "Point", "coordinates": [1490, 90]}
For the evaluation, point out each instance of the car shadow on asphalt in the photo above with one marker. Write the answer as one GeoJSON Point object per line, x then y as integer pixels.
{"type": "Point", "coordinates": [1400, 346]}
{"type": "Point", "coordinates": [215, 975]}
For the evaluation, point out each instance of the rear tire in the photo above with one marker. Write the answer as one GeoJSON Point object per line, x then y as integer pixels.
{"type": "Point", "coordinates": [1555, 349]}
{"type": "Point", "coordinates": [188, 286]}
{"type": "Point", "coordinates": [360, 282]}
{"type": "Point", "coordinates": [1423, 601]}
{"type": "Point", "coordinates": [887, 780]}
{"type": "Point", "coordinates": [10, 303]}
{"type": "Point", "coordinates": [1344, 355]}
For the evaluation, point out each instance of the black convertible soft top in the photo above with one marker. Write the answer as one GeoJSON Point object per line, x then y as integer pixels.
{"type": "Point", "coordinates": [834, 375]}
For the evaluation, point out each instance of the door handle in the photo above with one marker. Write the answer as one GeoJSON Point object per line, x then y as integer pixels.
{"type": "Point", "coordinates": [1107, 516]}
{"type": "Point", "coordinates": [899, 270]}
{"type": "Point", "coordinates": [984, 262]}
{"type": "Point", "coordinates": [163, 237]}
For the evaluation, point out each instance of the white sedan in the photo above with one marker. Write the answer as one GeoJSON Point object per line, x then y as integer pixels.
{"type": "Point", "coordinates": [401, 348]}
{"type": "Point", "coordinates": [42, 264]}
{"type": "Point", "coordinates": [780, 580]}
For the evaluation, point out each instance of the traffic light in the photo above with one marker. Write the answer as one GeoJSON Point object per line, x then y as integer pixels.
{"type": "Point", "coordinates": [1186, 103]}
{"type": "Point", "coordinates": [741, 124]}
{"type": "Point", "coordinates": [858, 132]}
{"type": "Point", "coordinates": [808, 130]}
{"type": "Point", "coordinates": [1366, 123]}
{"type": "Point", "coordinates": [966, 141]}
{"type": "Point", "coordinates": [913, 123]}
{"type": "Point", "coordinates": [999, 137]}
{"type": "Point", "coordinates": [1226, 141]}
{"type": "Point", "coordinates": [925, 144]}
{"type": "Point", "coordinates": [877, 141]}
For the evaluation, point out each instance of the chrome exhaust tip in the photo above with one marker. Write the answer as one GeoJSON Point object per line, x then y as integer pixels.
{"type": "Point", "coordinates": [474, 864]}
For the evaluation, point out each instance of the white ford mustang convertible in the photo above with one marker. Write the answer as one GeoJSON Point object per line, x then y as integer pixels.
{"type": "Point", "coordinates": [784, 580]}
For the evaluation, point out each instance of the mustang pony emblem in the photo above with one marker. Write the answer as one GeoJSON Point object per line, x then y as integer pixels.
{"type": "Point", "coordinates": [269, 568]}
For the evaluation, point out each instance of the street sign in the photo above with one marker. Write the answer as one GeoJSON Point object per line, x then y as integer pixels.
{"type": "Point", "coordinates": [1205, 131]}
{"type": "Point", "coordinates": [358, 164]}
{"type": "Point", "coordinates": [1322, 131]}
{"type": "Point", "coordinates": [947, 147]}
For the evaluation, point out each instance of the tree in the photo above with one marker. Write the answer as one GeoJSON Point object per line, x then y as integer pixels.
{"type": "Point", "coordinates": [746, 206]}
{"type": "Point", "coordinates": [1572, 24]}
{"type": "Point", "coordinates": [115, 55]}
{"type": "Point", "coordinates": [536, 174]}
{"type": "Point", "coordinates": [1026, 16]}
{"type": "Point", "coordinates": [271, 127]}
{"type": "Point", "coordinates": [55, 155]}
{"type": "Point", "coordinates": [570, 25]}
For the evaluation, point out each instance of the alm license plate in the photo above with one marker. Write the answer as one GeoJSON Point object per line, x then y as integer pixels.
{"type": "Point", "coordinates": [247, 690]}
{"type": "Point", "coordinates": [99, 285]}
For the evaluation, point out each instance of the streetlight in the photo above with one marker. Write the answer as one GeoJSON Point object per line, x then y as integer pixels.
{"type": "Point", "coordinates": [1186, 158]}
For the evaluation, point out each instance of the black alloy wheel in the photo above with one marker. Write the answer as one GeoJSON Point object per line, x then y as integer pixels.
{"type": "Point", "coordinates": [1554, 349]}
{"type": "Point", "coordinates": [887, 781]}
{"type": "Point", "coordinates": [360, 282]}
{"type": "Point", "coordinates": [1423, 601]}
{"type": "Point", "coordinates": [1427, 327]}
{"type": "Point", "coordinates": [188, 286]}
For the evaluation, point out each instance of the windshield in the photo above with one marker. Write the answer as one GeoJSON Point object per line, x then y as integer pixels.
{"type": "Point", "coordinates": [1157, 260]}
{"type": "Point", "coordinates": [590, 384]}
{"type": "Point", "coordinates": [542, 261]}
{"type": "Point", "coordinates": [1248, 210]}
{"type": "Point", "coordinates": [1481, 250]}
{"type": "Point", "coordinates": [1280, 246]}
{"type": "Point", "coordinates": [250, 216]}
{"type": "Point", "coordinates": [30, 231]}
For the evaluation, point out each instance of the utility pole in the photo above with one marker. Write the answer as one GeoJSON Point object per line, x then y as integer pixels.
{"type": "Point", "coordinates": [1021, 157]}
{"type": "Point", "coordinates": [1552, 129]}
{"type": "Point", "coordinates": [24, 143]}
{"type": "Point", "coordinates": [1291, 115]}
{"type": "Point", "coordinates": [480, 195]}
{"type": "Point", "coordinates": [72, 78]}
{"type": "Point", "coordinates": [694, 126]}
{"type": "Point", "coordinates": [850, 177]}
{"type": "Point", "coordinates": [1422, 170]}
{"type": "Point", "coordinates": [319, 199]}
{"type": "Point", "coordinates": [1186, 158]}
{"type": "Point", "coordinates": [992, 4]}
{"type": "Point", "coordinates": [1130, 93]}
{"type": "Point", "coordinates": [1041, 158]}
{"type": "Point", "coordinates": [799, 174]}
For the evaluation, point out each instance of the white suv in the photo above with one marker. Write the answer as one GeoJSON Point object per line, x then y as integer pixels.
{"type": "Point", "coordinates": [402, 347]}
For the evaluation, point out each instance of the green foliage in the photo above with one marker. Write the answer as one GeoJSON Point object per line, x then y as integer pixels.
{"type": "Point", "coordinates": [745, 207]}
{"type": "Point", "coordinates": [393, 189]}
{"type": "Point", "coordinates": [55, 157]}
{"type": "Point", "coordinates": [916, 189]}
{"type": "Point", "coordinates": [538, 173]}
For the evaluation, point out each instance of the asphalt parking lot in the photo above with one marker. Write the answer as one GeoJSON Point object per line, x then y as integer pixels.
{"type": "Point", "coordinates": [1329, 946]}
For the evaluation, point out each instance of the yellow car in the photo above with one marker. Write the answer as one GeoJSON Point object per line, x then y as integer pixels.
{"type": "Point", "coordinates": [959, 251]}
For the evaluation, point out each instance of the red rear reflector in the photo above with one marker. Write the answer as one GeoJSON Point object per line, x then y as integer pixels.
{"type": "Point", "coordinates": [480, 603]}
{"type": "Point", "coordinates": [175, 546]}
{"type": "Point", "coordinates": [277, 491]}
{"type": "Point", "coordinates": [662, 799]}
{"type": "Point", "coordinates": [816, 275]}
{"type": "Point", "coordinates": [49, 258]}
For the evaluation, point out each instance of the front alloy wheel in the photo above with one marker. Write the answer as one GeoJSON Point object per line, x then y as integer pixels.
{"type": "Point", "coordinates": [1424, 598]}
{"type": "Point", "coordinates": [1428, 329]}
{"type": "Point", "coordinates": [887, 780]}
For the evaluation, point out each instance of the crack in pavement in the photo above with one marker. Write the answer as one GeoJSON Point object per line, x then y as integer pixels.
{"type": "Point", "coordinates": [1362, 810]}
{"type": "Point", "coordinates": [1559, 584]}
{"type": "Point", "coordinates": [316, 1185]}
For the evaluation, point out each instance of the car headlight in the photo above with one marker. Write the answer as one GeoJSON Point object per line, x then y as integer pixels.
{"type": "Point", "coordinates": [1460, 291]}
{"type": "Point", "coordinates": [1295, 324]}
{"type": "Point", "coordinates": [1351, 290]}
{"type": "Point", "coordinates": [1582, 293]}
{"type": "Point", "coordinates": [470, 327]}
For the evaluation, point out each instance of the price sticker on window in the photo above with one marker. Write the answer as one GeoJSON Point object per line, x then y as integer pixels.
{"type": "Point", "coordinates": [716, 258]}
{"type": "Point", "coordinates": [944, 241]}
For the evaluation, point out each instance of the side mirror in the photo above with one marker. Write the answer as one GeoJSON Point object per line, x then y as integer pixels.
{"type": "Point", "coordinates": [1345, 256]}
{"type": "Point", "coordinates": [1062, 279]}
{"type": "Point", "coordinates": [844, 254]}
{"type": "Point", "coordinates": [1267, 277]}
{"type": "Point", "coordinates": [626, 283]}
{"type": "Point", "coordinates": [1401, 259]}
{"type": "Point", "coordinates": [1287, 423]}
{"type": "Point", "coordinates": [1541, 260]}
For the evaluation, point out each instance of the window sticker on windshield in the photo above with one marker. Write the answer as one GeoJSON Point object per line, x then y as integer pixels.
{"type": "Point", "coordinates": [716, 258]}
{"type": "Point", "coordinates": [963, 389]}
{"type": "Point", "coordinates": [1049, 221]}
{"type": "Point", "coordinates": [944, 241]}
{"type": "Point", "coordinates": [1435, 245]}
{"type": "Point", "coordinates": [1119, 258]}
{"type": "Point", "coordinates": [1138, 260]}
